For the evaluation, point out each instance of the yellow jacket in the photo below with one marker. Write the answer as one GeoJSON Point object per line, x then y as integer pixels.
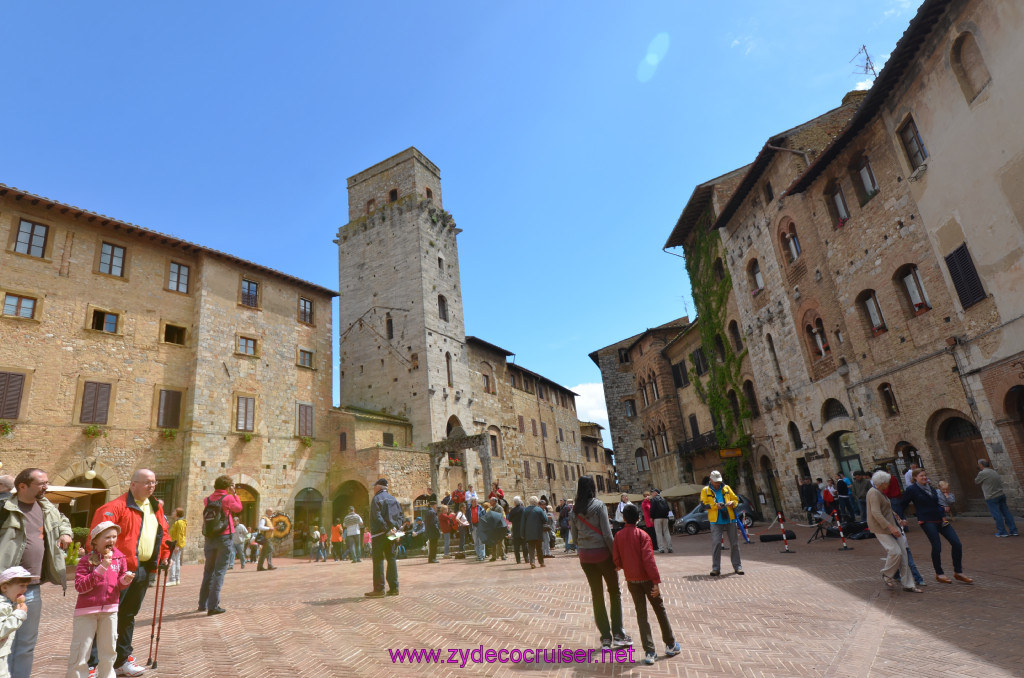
{"type": "Point", "coordinates": [178, 529]}
{"type": "Point", "coordinates": [707, 497]}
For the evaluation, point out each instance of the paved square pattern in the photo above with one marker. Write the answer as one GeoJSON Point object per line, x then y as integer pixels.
{"type": "Point", "coordinates": [817, 612]}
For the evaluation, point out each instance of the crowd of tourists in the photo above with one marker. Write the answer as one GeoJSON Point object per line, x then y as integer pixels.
{"type": "Point", "coordinates": [130, 540]}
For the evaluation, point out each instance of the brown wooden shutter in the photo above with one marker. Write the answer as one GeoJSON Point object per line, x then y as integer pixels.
{"type": "Point", "coordinates": [102, 402]}
{"type": "Point", "coordinates": [169, 414]}
{"type": "Point", "coordinates": [522, 426]}
{"type": "Point", "coordinates": [965, 276]}
{"type": "Point", "coordinates": [305, 420]}
{"type": "Point", "coordinates": [11, 385]}
{"type": "Point", "coordinates": [526, 468]}
{"type": "Point", "coordinates": [246, 411]}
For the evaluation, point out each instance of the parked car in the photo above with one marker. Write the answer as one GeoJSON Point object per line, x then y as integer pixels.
{"type": "Point", "coordinates": [697, 519]}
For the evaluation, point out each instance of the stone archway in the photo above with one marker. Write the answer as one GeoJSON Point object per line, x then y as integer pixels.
{"type": "Point", "coordinates": [962, 446]}
{"type": "Point", "coordinates": [768, 471]}
{"type": "Point", "coordinates": [80, 511]}
{"type": "Point", "coordinates": [1013, 408]}
{"type": "Point", "coordinates": [351, 493]}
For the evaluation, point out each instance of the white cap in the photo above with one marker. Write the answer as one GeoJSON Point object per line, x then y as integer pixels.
{"type": "Point", "coordinates": [716, 476]}
{"type": "Point", "coordinates": [16, 572]}
{"type": "Point", "coordinates": [103, 527]}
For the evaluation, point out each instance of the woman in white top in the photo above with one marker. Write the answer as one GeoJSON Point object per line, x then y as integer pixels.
{"type": "Point", "coordinates": [460, 516]}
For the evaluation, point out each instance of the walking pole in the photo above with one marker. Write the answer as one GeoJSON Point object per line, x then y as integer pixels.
{"type": "Point", "coordinates": [156, 599]}
{"type": "Point", "coordinates": [743, 528]}
{"type": "Point", "coordinates": [785, 542]}
{"type": "Point", "coordinates": [163, 599]}
{"type": "Point", "coordinates": [839, 523]}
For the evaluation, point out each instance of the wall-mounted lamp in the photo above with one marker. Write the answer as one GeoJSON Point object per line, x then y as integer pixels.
{"type": "Point", "coordinates": [91, 473]}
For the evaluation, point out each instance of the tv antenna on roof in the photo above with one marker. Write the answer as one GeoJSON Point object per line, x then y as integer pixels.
{"type": "Point", "coordinates": [868, 66]}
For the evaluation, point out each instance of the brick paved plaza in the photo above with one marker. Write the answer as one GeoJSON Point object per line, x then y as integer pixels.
{"type": "Point", "coordinates": [818, 612]}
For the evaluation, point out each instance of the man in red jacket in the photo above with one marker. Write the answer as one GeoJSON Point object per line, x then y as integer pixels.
{"type": "Point", "coordinates": [217, 547]}
{"type": "Point", "coordinates": [142, 541]}
{"type": "Point", "coordinates": [634, 555]}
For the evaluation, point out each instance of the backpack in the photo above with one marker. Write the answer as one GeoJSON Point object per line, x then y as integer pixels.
{"type": "Point", "coordinates": [215, 521]}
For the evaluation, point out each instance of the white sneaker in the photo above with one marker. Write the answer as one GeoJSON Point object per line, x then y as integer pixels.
{"type": "Point", "coordinates": [129, 668]}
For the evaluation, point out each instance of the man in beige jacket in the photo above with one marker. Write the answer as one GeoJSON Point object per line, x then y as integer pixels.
{"type": "Point", "coordinates": [886, 528]}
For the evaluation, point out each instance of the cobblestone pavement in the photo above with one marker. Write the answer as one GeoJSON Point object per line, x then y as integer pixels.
{"type": "Point", "coordinates": [817, 612]}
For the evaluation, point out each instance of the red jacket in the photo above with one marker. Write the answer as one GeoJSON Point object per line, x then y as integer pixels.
{"type": "Point", "coordinates": [127, 514]}
{"type": "Point", "coordinates": [448, 523]}
{"type": "Point", "coordinates": [474, 513]}
{"type": "Point", "coordinates": [634, 555]}
{"type": "Point", "coordinates": [458, 496]}
{"type": "Point", "coordinates": [231, 505]}
{"type": "Point", "coordinates": [645, 506]}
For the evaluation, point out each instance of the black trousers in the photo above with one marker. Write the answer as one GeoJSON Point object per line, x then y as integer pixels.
{"type": "Point", "coordinates": [600, 575]}
{"type": "Point", "coordinates": [519, 546]}
{"type": "Point", "coordinates": [641, 593]}
{"type": "Point", "coordinates": [432, 549]}
{"type": "Point", "coordinates": [383, 552]}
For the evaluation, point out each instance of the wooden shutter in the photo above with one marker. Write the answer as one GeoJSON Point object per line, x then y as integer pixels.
{"type": "Point", "coordinates": [965, 276]}
{"type": "Point", "coordinates": [95, 403]}
{"type": "Point", "coordinates": [526, 468]}
{"type": "Point", "coordinates": [305, 420]}
{"type": "Point", "coordinates": [169, 413]}
{"type": "Point", "coordinates": [522, 426]}
{"type": "Point", "coordinates": [11, 386]}
{"type": "Point", "coordinates": [246, 410]}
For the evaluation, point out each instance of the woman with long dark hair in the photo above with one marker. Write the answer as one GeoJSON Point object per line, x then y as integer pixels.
{"type": "Point", "coordinates": [592, 533]}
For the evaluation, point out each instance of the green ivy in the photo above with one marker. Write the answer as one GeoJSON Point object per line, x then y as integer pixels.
{"type": "Point", "coordinates": [711, 298]}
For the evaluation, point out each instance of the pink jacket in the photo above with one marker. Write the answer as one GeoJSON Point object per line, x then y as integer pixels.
{"type": "Point", "coordinates": [98, 587]}
{"type": "Point", "coordinates": [231, 505]}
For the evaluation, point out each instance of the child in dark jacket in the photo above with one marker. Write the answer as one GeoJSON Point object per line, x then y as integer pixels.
{"type": "Point", "coordinates": [634, 555]}
{"type": "Point", "coordinates": [101, 575]}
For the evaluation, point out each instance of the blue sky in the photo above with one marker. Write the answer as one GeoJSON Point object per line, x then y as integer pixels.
{"type": "Point", "coordinates": [569, 134]}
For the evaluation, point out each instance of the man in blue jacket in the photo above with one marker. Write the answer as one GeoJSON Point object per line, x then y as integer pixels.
{"type": "Point", "coordinates": [385, 520]}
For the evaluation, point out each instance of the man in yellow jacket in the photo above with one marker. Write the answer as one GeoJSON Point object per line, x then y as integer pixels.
{"type": "Point", "coordinates": [722, 502]}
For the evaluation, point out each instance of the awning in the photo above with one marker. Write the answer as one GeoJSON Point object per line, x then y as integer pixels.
{"type": "Point", "coordinates": [682, 490]}
{"type": "Point", "coordinates": [62, 494]}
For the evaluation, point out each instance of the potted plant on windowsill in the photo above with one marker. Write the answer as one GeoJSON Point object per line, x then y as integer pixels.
{"type": "Point", "coordinates": [94, 431]}
{"type": "Point", "coordinates": [6, 428]}
{"type": "Point", "coordinates": [841, 221]}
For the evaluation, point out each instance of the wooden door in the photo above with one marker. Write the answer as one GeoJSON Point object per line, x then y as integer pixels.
{"type": "Point", "coordinates": [964, 455]}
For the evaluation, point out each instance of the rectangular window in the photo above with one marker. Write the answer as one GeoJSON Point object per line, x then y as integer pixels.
{"type": "Point", "coordinates": [305, 310]}
{"type": "Point", "coordinates": [551, 471]}
{"type": "Point", "coordinates": [586, 450]}
{"type": "Point", "coordinates": [561, 437]}
{"type": "Point", "coordinates": [526, 469]}
{"type": "Point", "coordinates": [543, 429]}
{"type": "Point", "coordinates": [174, 334]}
{"type": "Point", "coordinates": [247, 346]}
{"type": "Point", "coordinates": [700, 362]}
{"type": "Point", "coordinates": [540, 391]}
{"type": "Point", "coordinates": [623, 355]}
{"type": "Point", "coordinates": [389, 439]}
{"type": "Point", "coordinates": [177, 279]}
{"type": "Point", "coordinates": [630, 408]}
{"type": "Point", "coordinates": [867, 177]}
{"type": "Point", "coordinates": [533, 423]}
{"type": "Point", "coordinates": [305, 427]}
{"type": "Point", "coordinates": [164, 491]}
{"type": "Point", "coordinates": [31, 239]}
{"type": "Point", "coordinates": [305, 358]}
{"type": "Point", "coordinates": [95, 403]}
{"type": "Point", "coordinates": [965, 276]}
{"type": "Point", "coordinates": [912, 144]}
{"type": "Point", "coordinates": [245, 413]}
{"type": "Point", "coordinates": [540, 473]}
{"type": "Point", "coordinates": [522, 424]}
{"type": "Point", "coordinates": [104, 321]}
{"type": "Point", "coordinates": [487, 383]}
{"type": "Point", "coordinates": [250, 293]}
{"type": "Point", "coordinates": [112, 260]}
{"type": "Point", "coordinates": [494, 445]}
{"type": "Point", "coordinates": [168, 413]}
{"type": "Point", "coordinates": [343, 441]}
{"type": "Point", "coordinates": [19, 307]}
{"type": "Point", "coordinates": [11, 386]}
{"type": "Point", "coordinates": [679, 376]}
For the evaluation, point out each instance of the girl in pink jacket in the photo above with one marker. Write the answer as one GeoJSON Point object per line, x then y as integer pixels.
{"type": "Point", "coordinates": [101, 575]}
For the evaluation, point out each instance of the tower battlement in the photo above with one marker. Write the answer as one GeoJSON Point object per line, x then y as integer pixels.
{"type": "Point", "coordinates": [406, 173]}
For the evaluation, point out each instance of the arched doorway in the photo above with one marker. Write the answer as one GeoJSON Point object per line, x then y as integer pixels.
{"type": "Point", "coordinates": [81, 510]}
{"type": "Point", "coordinates": [844, 448]}
{"type": "Point", "coordinates": [962, 443]}
{"type": "Point", "coordinates": [308, 512]}
{"type": "Point", "coordinates": [351, 493]}
{"type": "Point", "coordinates": [906, 454]}
{"type": "Point", "coordinates": [1013, 405]}
{"type": "Point", "coordinates": [768, 471]}
{"type": "Point", "coordinates": [250, 499]}
{"type": "Point", "coordinates": [453, 424]}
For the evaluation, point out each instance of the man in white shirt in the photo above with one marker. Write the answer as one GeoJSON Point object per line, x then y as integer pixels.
{"type": "Point", "coordinates": [265, 529]}
{"type": "Point", "coordinates": [622, 504]}
{"type": "Point", "coordinates": [908, 477]}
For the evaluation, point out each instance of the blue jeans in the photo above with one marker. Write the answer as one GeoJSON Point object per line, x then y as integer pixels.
{"type": "Point", "coordinates": [1000, 513]}
{"type": "Point", "coordinates": [447, 544]}
{"type": "Point", "coordinates": [217, 552]}
{"type": "Point", "coordinates": [353, 546]}
{"type": "Point", "coordinates": [932, 531]}
{"type": "Point", "coordinates": [863, 509]}
{"type": "Point", "coordinates": [913, 568]}
{"type": "Point", "coordinates": [478, 542]}
{"type": "Point", "coordinates": [19, 662]}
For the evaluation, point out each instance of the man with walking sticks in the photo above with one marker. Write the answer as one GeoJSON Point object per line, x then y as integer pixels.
{"type": "Point", "coordinates": [142, 539]}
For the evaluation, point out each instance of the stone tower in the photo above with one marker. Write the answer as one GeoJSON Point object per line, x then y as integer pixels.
{"type": "Point", "coordinates": [403, 340]}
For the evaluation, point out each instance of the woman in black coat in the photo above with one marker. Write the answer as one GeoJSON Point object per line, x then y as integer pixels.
{"type": "Point", "coordinates": [531, 530]}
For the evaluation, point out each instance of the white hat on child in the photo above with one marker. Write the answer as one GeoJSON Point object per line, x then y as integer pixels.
{"type": "Point", "coordinates": [103, 527]}
{"type": "Point", "coordinates": [16, 572]}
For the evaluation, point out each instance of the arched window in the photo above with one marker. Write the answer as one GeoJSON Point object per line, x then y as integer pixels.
{"type": "Point", "coordinates": [888, 398]}
{"type": "Point", "coordinates": [775, 358]}
{"type": "Point", "coordinates": [389, 326]}
{"type": "Point", "coordinates": [734, 332]}
{"type": "Point", "coordinates": [719, 269]}
{"type": "Point", "coordinates": [448, 368]}
{"type": "Point", "coordinates": [868, 303]}
{"type": "Point", "coordinates": [719, 348]}
{"type": "Point", "coordinates": [908, 279]}
{"type": "Point", "coordinates": [969, 66]}
{"type": "Point", "coordinates": [654, 387]}
{"type": "Point", "coordinates": [751, 396]}
{"type": "Point", "coordinates": [442, 307]}
{"type": "Point", "coordinates": [835, 201]}
{"type": "Point", "coordinates": [913, 145]}
{"type": "Point", "coordinates": [663, 437]}
{"type": "Point", "coordinates": [642, 463]}
{"type": "Point", "coordinates": [487, 374]}
{"type": "Point", "coordinates": [494, 439]}
{"type": "Point", "coordinates": [393, 195]}
{"type": "Point", "coordinates": [734, 404]}
{"type": "Point", "coordinates": [790, 243]}
{"type": "Point", "coordinates": [817, 341]}
{"type": "Point", "coordinates": [754, 277]}
{"type": "Point", "coordinates": [794, 436]}
{"type": "Point", "coordinates": [370, 205]}
{"type": "Point", "coordinates": [643, 392]}
{"type": "Point", "coordinates": [863, 178]}
{"type": "Point", "coordinates": [833, 409]}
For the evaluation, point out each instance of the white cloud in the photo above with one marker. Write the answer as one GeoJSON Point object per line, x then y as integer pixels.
{"type": "Point", "coordinates": [734, 43]}
{"type": "Point", "coordinates": [590, 406]}
{"type": "Point", "coordinates": [864, 85]}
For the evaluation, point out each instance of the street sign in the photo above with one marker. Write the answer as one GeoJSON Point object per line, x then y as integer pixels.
{"type": "Point", "coordinates": [730, 452]}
